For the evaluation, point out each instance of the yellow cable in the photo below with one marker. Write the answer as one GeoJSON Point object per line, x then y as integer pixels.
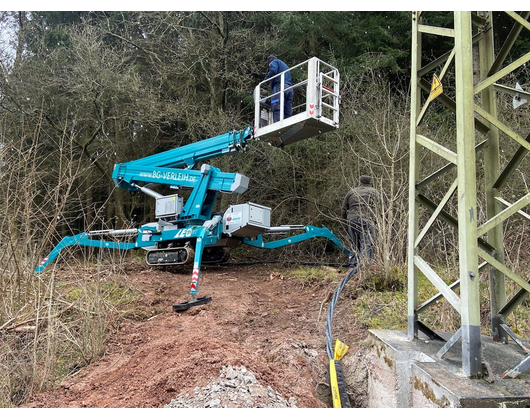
{"type": "Point", "coordinates": [335, 395]}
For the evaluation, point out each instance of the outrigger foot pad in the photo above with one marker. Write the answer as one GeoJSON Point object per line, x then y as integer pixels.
{"type": "Point", "coordinates": [184, 306]}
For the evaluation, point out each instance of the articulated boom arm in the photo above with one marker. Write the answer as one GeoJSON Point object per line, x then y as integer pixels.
{"type": "Point", "coordinates": [175, 167]}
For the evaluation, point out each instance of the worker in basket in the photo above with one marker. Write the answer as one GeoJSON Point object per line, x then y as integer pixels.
{"type": "Point", "coordinates": [276, 67]}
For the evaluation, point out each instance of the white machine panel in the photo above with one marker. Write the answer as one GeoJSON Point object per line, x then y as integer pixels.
{"type": "Point", "coordinates": [246, 220]}
{"type": "Point", "coordinates": [168, 206]}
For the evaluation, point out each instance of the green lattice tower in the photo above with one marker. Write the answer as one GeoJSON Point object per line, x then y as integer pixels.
{"type": "Point", "coordinates": [473, 171]}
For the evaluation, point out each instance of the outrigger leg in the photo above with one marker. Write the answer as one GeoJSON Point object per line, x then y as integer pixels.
{"type": "Point", "coordinates": [194, 285]}
{"type": "Point", "coordinates": [85, 239]}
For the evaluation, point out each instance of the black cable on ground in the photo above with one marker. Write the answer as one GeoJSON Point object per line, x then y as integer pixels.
{"type": "Point", "coordinates": [313, 263]}
{"type": "Point", "coordinates": [337, 382]}
{"type": "Point", "coordinates": [331, 309]}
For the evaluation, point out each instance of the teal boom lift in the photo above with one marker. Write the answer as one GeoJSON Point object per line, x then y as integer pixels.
{"type": "Point", "coordinates": [189, 233]}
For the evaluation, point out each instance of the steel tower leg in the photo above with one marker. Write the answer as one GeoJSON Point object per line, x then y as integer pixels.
{"type": "Point", "coordinates": [467, 197]}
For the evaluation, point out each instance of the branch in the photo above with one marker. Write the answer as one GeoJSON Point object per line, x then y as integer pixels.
{"type": "Point", "coordinates": [84, 146]}
{"type": "Point", "coordinates": [150, 53]}
{"type": "Point", "coordinates": [23, 327]}
{"type": "Point", "coordinates": [215, 25]}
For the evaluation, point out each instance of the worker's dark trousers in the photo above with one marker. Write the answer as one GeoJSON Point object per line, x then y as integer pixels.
{"type": "Point", "coordinates": [287, 103]}
{"type": "Point", "coordinates": [361, 233]}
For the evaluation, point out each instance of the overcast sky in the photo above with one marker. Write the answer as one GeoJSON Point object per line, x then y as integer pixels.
{"type": "Point", "coordinates": [6, 40]}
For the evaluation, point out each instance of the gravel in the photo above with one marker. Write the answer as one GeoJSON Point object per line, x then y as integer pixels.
{"type": "Point", "coordinates": [235, 387]}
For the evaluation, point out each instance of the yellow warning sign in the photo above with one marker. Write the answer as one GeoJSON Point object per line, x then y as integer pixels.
{"type": "Point", "coordinates": [436, 87]}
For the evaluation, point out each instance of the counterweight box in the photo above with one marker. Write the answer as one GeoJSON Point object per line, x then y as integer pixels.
{"type": "Point", "coordinates": [246, 220]}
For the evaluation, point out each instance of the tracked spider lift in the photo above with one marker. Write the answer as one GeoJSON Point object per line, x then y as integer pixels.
{"type": "Point", "coordinates": [188, 232]}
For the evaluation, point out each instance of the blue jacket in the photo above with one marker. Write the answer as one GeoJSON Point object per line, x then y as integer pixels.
{"type": "Point", "coordinates": [276, 67]}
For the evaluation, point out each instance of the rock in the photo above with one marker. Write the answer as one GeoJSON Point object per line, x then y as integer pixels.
{"type": "Point", "coordinates": [235, 387]}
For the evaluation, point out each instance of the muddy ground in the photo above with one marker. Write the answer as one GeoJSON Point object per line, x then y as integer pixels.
{"type": "Point", "coordinates": [260, 317]}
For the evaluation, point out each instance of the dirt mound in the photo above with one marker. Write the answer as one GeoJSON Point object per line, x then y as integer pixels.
{"type": "Point", "coordinates": [259, 319]}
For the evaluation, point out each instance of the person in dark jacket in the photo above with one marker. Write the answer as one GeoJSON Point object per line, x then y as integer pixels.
{"type": "Point", "coordinates": [276, 67]}
{"type": "Point", "coordinates": [358, 210]}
